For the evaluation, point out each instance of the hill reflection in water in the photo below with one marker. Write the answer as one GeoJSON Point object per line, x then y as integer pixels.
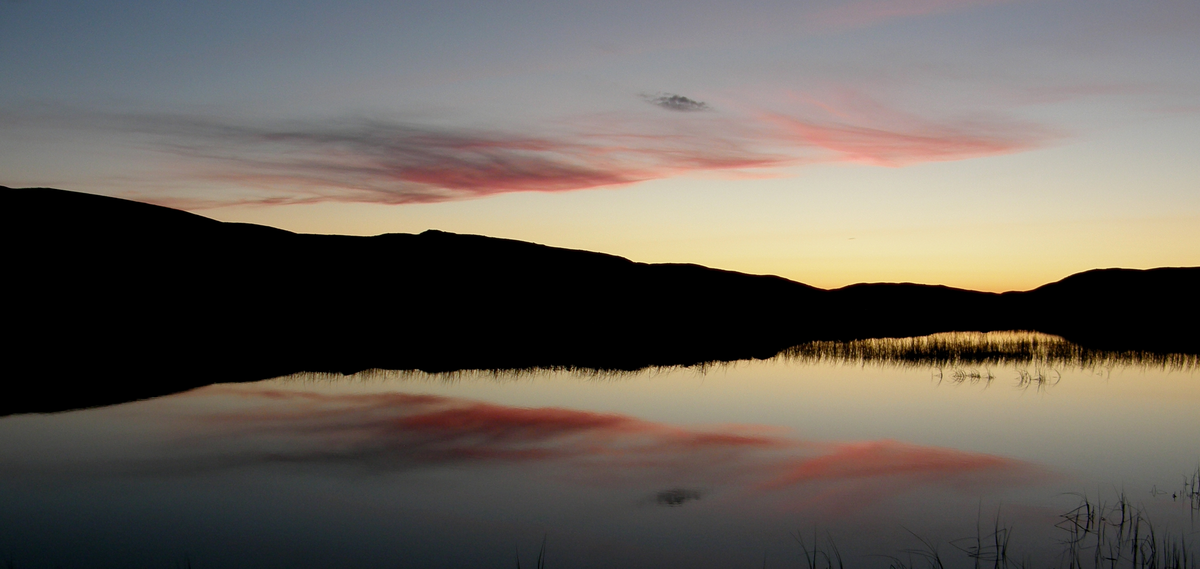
{"type": "Point", "coordinates": [706, 466]}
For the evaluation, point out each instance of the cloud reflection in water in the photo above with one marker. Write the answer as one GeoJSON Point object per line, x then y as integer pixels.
{"type": "Point", "coordinates": [399, 431]}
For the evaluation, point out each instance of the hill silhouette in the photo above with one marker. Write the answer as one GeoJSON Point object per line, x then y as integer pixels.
{"type": "Point", "coordinates": [114, 300]}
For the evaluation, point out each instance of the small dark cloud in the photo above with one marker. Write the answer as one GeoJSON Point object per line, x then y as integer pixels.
{"type": "Point", "coordinates": [678, 103]}
{"type": "Point", "coordinates": [676, 496]}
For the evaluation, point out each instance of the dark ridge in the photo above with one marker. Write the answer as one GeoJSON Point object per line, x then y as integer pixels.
{"type": "Point", "coordinates": [114, 300]}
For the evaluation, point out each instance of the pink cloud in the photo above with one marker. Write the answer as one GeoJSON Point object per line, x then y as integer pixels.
{"type": "Point", "coordinates": [846, 125]}
{"type": "Point", "coordinates": [381, 163]}
{"type": "Point", "coordinates": [883, 146]}
{"type": "Point", "coordinates": [378, 162]}
{"type": "Point", "coordinates": [375, 161]}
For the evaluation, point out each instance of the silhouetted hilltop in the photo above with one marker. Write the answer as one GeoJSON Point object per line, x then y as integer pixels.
{"type": "Point", "coordinates": [116, 300]}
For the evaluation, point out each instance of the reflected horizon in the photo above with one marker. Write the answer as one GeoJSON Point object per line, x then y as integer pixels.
{"type": "Point", "coordinates": [698, 467]}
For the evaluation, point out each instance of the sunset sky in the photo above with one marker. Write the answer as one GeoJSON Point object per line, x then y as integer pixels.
{"type": "Point", "coordinates": [985, 144]}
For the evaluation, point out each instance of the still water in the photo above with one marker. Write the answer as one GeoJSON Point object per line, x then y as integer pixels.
{"type": "Point", "coordinates": [892, 462]}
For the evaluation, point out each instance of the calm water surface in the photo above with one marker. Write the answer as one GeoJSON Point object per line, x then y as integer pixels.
{"type": "Point", "coordinates": [668, 468]}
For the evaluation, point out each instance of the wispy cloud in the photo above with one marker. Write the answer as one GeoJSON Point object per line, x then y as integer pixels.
{"type": "Point", "coordinates": [397, 162]}
{"type": "Point", "coordinates": [851, 126]}
{"type": "Point", "coordinates": [905, 145]}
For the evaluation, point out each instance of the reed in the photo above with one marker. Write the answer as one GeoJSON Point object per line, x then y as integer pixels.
{"type": "Point", "coordinates": [1190, 492]}
{"type": "Point", "coordinates": [985, 547]}
{"type": "Point", "coordinates": [818, 558]}
{"type": "Point", "coordinates": [1119, 534]}
{"type": "Point", "coordinates": [926, 556]}
{"type": "Point", "coordinates": [969, 350]}
{"type": "Point", "coordinates": [541, 558]}
{"type": "Point", "coordinates": [958, 357]}
{"type": "Point", "coordinates": [1095, 535]}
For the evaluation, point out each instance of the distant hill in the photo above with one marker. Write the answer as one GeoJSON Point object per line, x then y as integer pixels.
{"type": "Point", "coordinates": [114, 300]}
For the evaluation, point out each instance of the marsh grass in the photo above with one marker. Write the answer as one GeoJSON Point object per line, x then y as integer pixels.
{"type": "Point", "coordinates": [1095, 535]}
{"type": "Point", "coordinates": [514, 375]}
{"type": "Point", "coordinates": [963, 351]}
{"type": "Point", "coordinates": [1191, 491]}
{"type": "Point", "coordinates": [916, 557]}
{"type": "Point", "coordinates": [541, 558]}
{"type": "Point", "coordinates": [1119, 534]}
{"type": "Point", "coordinates": [983, 548]}
{"type": "Point", "coordinates": [828, 557]}
{"type": "Point", "coordinates": [956, 357]}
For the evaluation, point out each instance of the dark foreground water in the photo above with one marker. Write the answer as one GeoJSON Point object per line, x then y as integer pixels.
{"type": "Point", "coordinates": [896, 454]}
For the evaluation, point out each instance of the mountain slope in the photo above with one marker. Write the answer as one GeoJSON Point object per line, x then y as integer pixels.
{"type": "Point", "coordinates": [117, 300]}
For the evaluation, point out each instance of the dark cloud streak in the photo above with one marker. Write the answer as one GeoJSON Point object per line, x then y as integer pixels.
{"type": "Point", "coordinates": [381, 161]}
{"type": "Point", "coordinates": [678, 103]}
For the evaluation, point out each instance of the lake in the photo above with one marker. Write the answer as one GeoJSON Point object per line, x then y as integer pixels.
{"type": "Point", "coordinates": [877, 452]}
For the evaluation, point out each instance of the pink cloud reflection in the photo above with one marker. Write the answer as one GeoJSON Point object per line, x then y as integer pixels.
{"type": "Point", "coordinates": [405, 431]}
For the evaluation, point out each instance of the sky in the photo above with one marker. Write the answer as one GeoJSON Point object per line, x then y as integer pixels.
{"type": "Point", "coordinates": [987, 144]}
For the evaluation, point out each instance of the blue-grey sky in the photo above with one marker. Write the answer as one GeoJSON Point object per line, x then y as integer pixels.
{"type": "Point", "coordinates": [985, 143]}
